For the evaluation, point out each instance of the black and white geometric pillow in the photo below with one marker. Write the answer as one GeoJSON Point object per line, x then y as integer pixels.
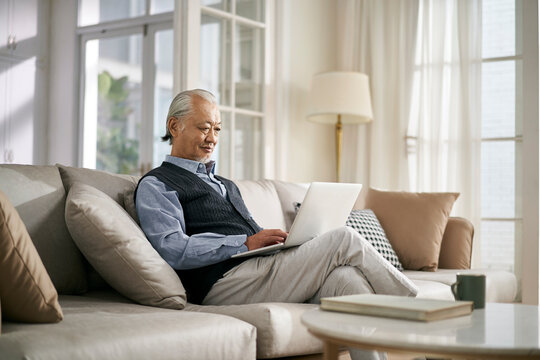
{"type": "Point", "coordinates": [366, 223]}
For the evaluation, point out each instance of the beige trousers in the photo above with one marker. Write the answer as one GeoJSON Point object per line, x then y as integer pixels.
{"type": "Point", "coordinates": [339, 262]}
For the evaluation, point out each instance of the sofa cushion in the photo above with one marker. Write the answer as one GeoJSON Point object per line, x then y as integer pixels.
{"type": "Point", "coordinates": [279, 329]}
{"type": "Point", "coordinates": [107, 326]}
{"type": "Point", "coordinates": [26, 290]}
{"type": "Point", "coordinates": [118, 249]}
{"type": "Point", "coordinates": [428, 289]}
{"type": "Point", "coordinates": [456, 245]}
{"type": "Point", "coordinates": [39, 197]}
{"type": "Point", "coordinates": [262, 202]}
{"type": "Point", "coordinates": [501, 286]}
{"type": "Point", "coordinates": [414, 224]}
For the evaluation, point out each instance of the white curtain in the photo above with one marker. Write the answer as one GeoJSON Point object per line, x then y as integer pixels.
{"type": "Point", "coordinates": [378, 38]}
{"type": "Point", "coordinates": [423, 58]}
{"type": "Point", "coordinates": [445, 120]}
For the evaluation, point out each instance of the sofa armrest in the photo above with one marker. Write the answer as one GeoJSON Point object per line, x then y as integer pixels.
{"type": "Point", "coordinates": [456, 246]}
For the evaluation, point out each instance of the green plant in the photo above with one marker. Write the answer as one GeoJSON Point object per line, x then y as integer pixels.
{"type": "Point", "coordinates": [116, 152]}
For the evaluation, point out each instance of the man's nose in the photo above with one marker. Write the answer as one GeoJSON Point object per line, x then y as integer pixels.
{"type": "Point", "coordinates": [212, 136]}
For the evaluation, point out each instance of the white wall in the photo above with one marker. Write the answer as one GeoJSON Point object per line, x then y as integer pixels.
{"type": "Point", "coordinates": [311, 49]}
{"type": "Point", "coordinates": [23, 81]}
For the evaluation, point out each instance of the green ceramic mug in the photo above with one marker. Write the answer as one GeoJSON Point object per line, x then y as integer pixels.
{"type": "Point", "coordinates": [471, 287]}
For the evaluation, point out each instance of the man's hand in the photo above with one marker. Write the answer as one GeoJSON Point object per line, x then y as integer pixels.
{"type": "Point", "coordinates": [265, 237]}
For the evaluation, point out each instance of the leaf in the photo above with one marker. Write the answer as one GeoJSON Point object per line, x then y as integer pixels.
{"type": "Point", "coordinates": [104, 83]}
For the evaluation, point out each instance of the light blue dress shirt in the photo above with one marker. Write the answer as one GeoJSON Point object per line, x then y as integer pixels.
{"type": "Point", "coordinates": [162, 220]}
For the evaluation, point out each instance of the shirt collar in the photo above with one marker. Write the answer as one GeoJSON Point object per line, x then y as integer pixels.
{"type": "Point", "coordinates": [192, 165]}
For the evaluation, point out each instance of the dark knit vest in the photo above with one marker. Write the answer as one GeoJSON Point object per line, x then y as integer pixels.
{"type": "Point", "coordinates": [206, 211]}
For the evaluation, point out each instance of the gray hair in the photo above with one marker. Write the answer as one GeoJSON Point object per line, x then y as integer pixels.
{"type": "Point", "coordinates": [182, 106]}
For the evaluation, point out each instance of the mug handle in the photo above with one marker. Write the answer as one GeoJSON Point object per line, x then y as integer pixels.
{"type": "Point", "coordinates": [455, 290]}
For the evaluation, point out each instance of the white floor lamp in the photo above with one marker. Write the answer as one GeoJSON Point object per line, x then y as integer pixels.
{"type": "Point", "coordinates": [339, 98]}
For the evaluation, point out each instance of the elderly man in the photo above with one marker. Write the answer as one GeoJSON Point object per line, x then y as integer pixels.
{"type": "Point", "coordinates": [197, 220]}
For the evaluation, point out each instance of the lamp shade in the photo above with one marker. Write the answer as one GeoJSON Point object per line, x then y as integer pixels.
{"type": "Point", "coordinates": [343, 93]}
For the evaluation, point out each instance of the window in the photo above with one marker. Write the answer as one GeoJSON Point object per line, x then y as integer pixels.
{"type": "Point", "coordinates": [127, 83]}
{"type": "Point", "coordinates": [478, 155]}
{"type": "Point", "coordinates": [501, 134]}
{"type": "Point", "coordinates": [232, 49]}
{"type": "Point", "coordinates": [498, 233]}
{"type": "Point", "coordinates": [112, 110]}
{"type": "Point", "coordinates": [127, 80]}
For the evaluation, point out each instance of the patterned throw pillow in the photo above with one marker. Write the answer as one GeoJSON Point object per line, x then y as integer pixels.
{"type": "Point", "coordinates": [367, 225]}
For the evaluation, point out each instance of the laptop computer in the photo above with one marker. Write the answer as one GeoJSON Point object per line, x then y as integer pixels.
{"type": "Point", "coordinates": [326, 206]}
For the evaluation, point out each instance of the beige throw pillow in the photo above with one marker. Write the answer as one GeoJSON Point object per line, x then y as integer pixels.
{"type": "Point", "coordinates": [414, 223]}
{"type": "Point", "coordinates": [111, 184]}
{"type": "Point", "coordinates": [26, 290]}
{"type": "Point", "coordinates": [118, 249]}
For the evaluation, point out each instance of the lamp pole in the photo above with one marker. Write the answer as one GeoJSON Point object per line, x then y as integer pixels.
{"type": "Point", "coordinates": [339, 136]}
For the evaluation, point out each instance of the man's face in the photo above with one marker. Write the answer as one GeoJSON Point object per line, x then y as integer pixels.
{"type": "Point", "coordinates": [196, 137]}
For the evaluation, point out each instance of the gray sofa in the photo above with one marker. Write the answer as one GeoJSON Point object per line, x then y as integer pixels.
{"type": "Point", "coordinates": [99, 323]}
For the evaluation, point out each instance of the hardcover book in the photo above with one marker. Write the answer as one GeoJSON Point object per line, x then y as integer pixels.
{"type": "Point", "coordinates": [399, 307]}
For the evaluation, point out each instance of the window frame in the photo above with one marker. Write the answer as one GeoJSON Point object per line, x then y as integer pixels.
{"type": "Point", "coordinates": [529, 250]}
{"type": "Point", "coordinates": [188, 27]}
{"type": "Point", "coordinates": [147, 26]}
{"type": "Point", "coordinates": [232, 110]}
{"type": "Point", "coordinates": [517, 139]}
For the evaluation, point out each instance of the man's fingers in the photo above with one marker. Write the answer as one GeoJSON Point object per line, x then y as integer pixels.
{"type": "Point", "coordinates": [277, 232]}
{"type": "Point", "coordinates": [266, 237]}
{"type": "Point", "coordinates": [274, 239]}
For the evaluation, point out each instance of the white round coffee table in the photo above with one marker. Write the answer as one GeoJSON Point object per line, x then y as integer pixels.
{"type": "Point", "coordinates": [500, 331]}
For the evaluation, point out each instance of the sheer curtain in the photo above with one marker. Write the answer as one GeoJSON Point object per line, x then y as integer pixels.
{"type": "Point", "coordinates": [378, 38]}
{"type": "Point", "coordinates": [423, 58]}
{"type": "Point", "coordinates": [444, 126]}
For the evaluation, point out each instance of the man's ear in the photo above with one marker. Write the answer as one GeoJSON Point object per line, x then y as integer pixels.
{"type": "Point", "coordinates": [173, 126]}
